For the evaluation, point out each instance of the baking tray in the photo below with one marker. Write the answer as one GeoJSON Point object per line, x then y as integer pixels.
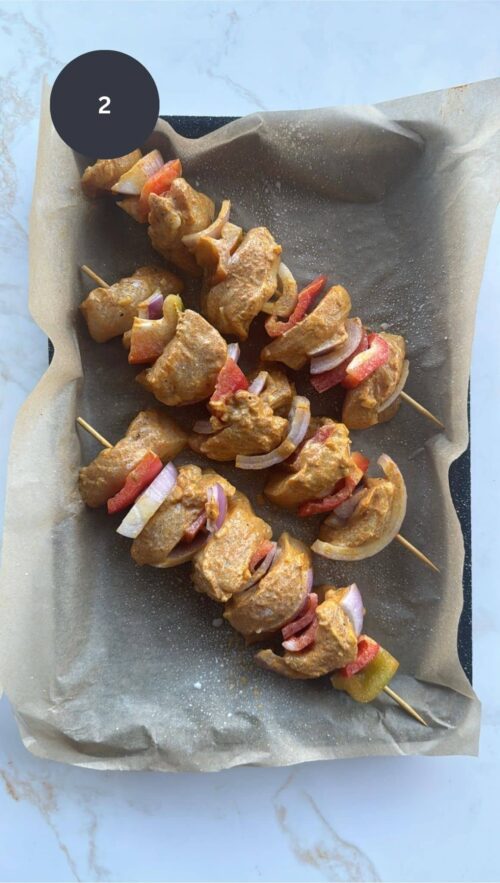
{"type": "Point", "coordinates": [460, 474]}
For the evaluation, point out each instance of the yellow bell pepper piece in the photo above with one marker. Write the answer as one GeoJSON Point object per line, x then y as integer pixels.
{"type": "Point", "coordinates": [371, 680]}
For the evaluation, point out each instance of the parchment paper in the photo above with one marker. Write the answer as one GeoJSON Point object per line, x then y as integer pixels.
{"type": "Point", "coordinates": [112, 666]}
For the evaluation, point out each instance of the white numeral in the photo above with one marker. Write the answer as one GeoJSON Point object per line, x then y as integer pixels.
{"type": "Point", "coordinates": [104, 107]}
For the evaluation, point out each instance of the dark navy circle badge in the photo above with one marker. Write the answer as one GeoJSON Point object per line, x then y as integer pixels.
{"type": "Point", "coordinates": [104, 104]}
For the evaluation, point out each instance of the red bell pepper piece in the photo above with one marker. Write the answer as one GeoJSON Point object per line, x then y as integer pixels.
{"type": "Point", "coordinates": [146, 344]}
{"type": "Point", "coordinates": [360, 460]}
{"type": "Point", "coordinates": [259, 554]}
{"type": "Point", "coordinates": [275, 328]}
{"type": "Point", "coordinates": [139, 478]}
{"type": "Point", "coordinates": [229, 381]}
{"type": "Point", "coordinates": [342, 491]}
{"type": "Point", "coordinates": [158, 183]}
{"type": "Point", "coordinates": [364, 364]}
{"type": "Point", "coordinates": [327, 379]}
{"type": "Point", "coordinates": [367, 651]}
{"type": "Point", "coordinates": [194, 528]}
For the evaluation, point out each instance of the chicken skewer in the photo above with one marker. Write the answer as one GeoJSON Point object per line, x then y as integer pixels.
{"type": "Point", "coordinates": [313, 469]}
{"type": "Point", "coordinates": [154, 191]}
{"type": "Point", "coordinates": [372, 367]}
{"type": "Point", "coordinates": [241, 276]}
{"type": "Point", "coordinates": [363, 677]}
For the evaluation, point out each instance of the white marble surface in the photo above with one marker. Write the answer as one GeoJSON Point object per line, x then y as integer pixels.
{"type": "Point", "coordinates": [390, 819]}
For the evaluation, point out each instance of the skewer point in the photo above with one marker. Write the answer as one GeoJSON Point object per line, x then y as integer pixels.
{"type": "Point", "coordinates": [411, 548]}
{"type": "Point", "coordinates": [405, 705]}
{"type": "Point", "coordinates": [420, 408]}
{"type": "Point", "coordinates": [97, 435]}
{"type": "Point", "coordinates": [95, 278]}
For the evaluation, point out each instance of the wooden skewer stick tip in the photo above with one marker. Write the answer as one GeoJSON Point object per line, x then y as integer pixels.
{"type": "Point", "coordinates": [88, 428]}
{"type": "Point", "coordinates": [420, 408]}
{"type": "Point", "coordinates": [407, 707]}
{"type": "Point", "coordinates": [90, 273]}
{"type": "Point", "coordinates": [411, 548]}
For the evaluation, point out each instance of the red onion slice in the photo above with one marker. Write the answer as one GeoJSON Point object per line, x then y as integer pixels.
{"type": "Point", "coordinates": [262, 569]}
{"type": "Point", "coordinates": [326, 359]}
{"type": "Point", "coordinates": [309, 580]}
{"type": "Point", "coordinates": [152, 307]}
{"type": "Point", "coordinates": [352, 605]}
{"type": "Point", "coordinates": [299, 642]}
{"type": "Point", "coordinates": [302, 621]}
{"type": "Point", "coordinates": [148, 503]}
{"type": "Point", "coordinates": [258, 383]}
{"type": "Point", "coordinates": [298, 422]}
{"type": "Point", "coordinates": [217, 496]}
{"type": "Point", "coordinates": [233, 352]}
{"type": "Point", "coordinates": [346, 509]}
{"type": "Point", "coordinates": [204, 427]}
{"type": "Point", "coordinates": [399, 388]}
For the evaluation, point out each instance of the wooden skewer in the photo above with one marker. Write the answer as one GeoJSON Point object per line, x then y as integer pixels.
{"type": "Point", "coordinates": [420, 408]}
{"type": "Point", "coordinates": [408, 708]}
{"type": "Point", "coordinates": [411, 548]}
{"type": "Point", "coordinates": [100, 438]}
{"type": "Point", "coordinates": [395, 696]}
{"type": "Point", "coordinates": [90, 273]}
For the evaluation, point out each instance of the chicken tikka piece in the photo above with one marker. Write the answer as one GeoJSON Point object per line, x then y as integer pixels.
{"type": "Point", "coordinates": [334, 646]}
{"type": "Point", "coordinates": [111, 311]}
{"type": "Point", "coordinates": [223, 567]}
{"type": "Point", "coordinates": [379, 511]}
{"type": "Point", "coordinates": [322, 460]}
{"type": "Point", "coordinates": [278, 596]}
{"type": "Point", "coordinates": [180, 211]}
{"type": "Point", "coordinates": [361, 404]}
{"type": "Point", "coordinates": [182, 507]}
{"type": "Point", "coordinates": [250, 281]}
{"type": "Point", "coordinates": [278, 390]}
{"type": "Point", "coordinates": [325, 322]}
{"type": "Point", "coordinates": [149, 431]}
{"type": "Point", "coordinates": [188, 368]}
{"type": "Point", "coordinates": [99, 178]}
{"type": "Point", "coordinates": [245, 424]}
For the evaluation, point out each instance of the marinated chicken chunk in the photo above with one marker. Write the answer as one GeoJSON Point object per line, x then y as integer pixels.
{"type": "Point", "coordinates": [111, 311]}
{"type": "Point", "coordinates": [100, 177]}
{"type": "Point", "coordinates": [187, 370]}
{"type": "Point", "coordinates": [361, 404]}
{"type": "Point", "coordinates": [180, 211]}
{"type": "Point", "coordinates": [222, 568]}
{"type": "Point", "coordinates": [278, 391]}
{"type": "Point", "coordinates": [374, 522]}
{"type": "Point", "coordinates": [335, 645]}
{"type": "Point", "coordinates": [368, 519]}
{"type": "Point", "coordinates": [251, 280]}
{"type": "Point", "coordinates": [247, 426]}
{"type": "Point", "coordinates": [181, 508]}
{"type": "Point", "coordinates": [213, 255]}
{"type": "Point", "coordinates": [279, 595]}
{"type": "Point", "coordinates": [106, 475]}
{"type": "Point", "coordinates": [320, 463]}
{"type": "Point", "coordinates": [325, 322]}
